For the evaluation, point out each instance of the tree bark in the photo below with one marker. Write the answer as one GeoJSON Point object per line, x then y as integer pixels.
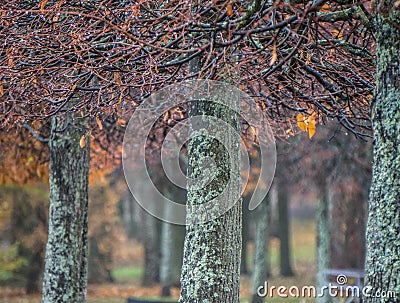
{"type": "Point", "coordinates": [323, 215]}
{"type": "Point", "coordinates": [211, 264]}
{"type": "Point", "coordinates": [245, 239]}
{"type": "Point", "coordinates": [284, 231]}
{"type": "Point", "coordinates": [261, 250]}
{"type": "Point", "coordinates": [65, 273]}
{"type": "Point", "coordinates": [383, 227]}
{"type": "Point", "coordinates": [151, 250]}
{"type": "Point", "coordinates": [172, 237]}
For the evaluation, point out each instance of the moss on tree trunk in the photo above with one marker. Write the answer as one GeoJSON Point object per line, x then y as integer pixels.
{"type": "Point", "coordinates": [66, 250]}
{"type": "Point", "coordinates": [383, 227]}
{"type": "Point", "coordinates": [211, 264]}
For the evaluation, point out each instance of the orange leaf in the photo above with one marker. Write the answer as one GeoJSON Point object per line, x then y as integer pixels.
{"type": "Point", "coordinates": [82, 142]}
{"type": "Point", "coordinates": [121, 122]}
{"type": "Point", "coordinates": [311, 128]}
{"type": "Point", "coordinates": [229, 10]}
{"type": "Point", "coordinates": [301, 122]}
{"type": "Point", "coordinates": [99, 124]}
{"type": "Point", "coordinates": [325, 8]}
{"type": "Point", "coordinates": [43, 4]}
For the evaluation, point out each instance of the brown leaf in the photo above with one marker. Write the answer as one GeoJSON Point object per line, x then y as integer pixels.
{"type": "Point", "coordinates": [82, 142]}
{"type": "Point", "coordinates": [274, 55]}
{"type": "Point", "coordinates": [99, 124]}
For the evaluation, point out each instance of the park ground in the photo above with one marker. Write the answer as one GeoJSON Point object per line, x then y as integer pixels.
{"type": "Point", "coordinates": [128, 270]}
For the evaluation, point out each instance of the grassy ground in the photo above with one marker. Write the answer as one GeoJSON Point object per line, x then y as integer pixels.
{"type": "Point", "coordinates": [128, 272]}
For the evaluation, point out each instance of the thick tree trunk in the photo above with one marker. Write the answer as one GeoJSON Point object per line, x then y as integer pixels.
{"type": "Point", "coordinates": [66, 251]}
{"type": "Point", "coordinates": [284, 231]}
{"type": "Point", "coordinates": [261, 250]}
{"type": "Point", "coordinates": [383, 227]}
{"type": "Point", "coordinates": [211, 264]}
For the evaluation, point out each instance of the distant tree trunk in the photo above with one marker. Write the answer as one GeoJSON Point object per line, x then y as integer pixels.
{"type": "Point", "coordinates": [284, 230]}
{"type": "Point", "coordinates": [383, 227]}
{"type": "Point", "coordinates": [28, 221]}
{"type": "Point", "coordinates": [66, 251]}
{"type": "Point", "coordinates": [128, 214]}
{"type": "Point", "coordinates": [172, 237]}
{"type": "Point", "coordinates": [211, 264]}
{"type": "Point", "coordinates": [323, 236]}
{"type": "Point", "coordinates": [245, 239]}
{"type": "Point", "coordinates": [150, 237]}
{"type": "Point", "coordinates": [99, 263]}
{"type": "Point", "coordinates": [151, 250]}
{"type": "Point", "coordinates": [261, 250]}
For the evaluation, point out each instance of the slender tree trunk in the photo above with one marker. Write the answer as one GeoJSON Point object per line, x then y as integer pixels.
{"type": "Point", "coordinates": [151, 250]}
{"type": "Point", "coordinates": [245, 239]}
{"type": "Point", "coordinates": [383, 227]}
{"type": "Point", "coordinates": [172, 237]}
{"type": "Point", "coordinates": [66, 251]}
{"type": "Point", "coordinates": [211, 264]}
{"type": "Point", "coordinates": [284, 231]}
{"type": "Point", "coordinates": [323, 237]}
{"type": "Point", "coordinates": [261, 250]}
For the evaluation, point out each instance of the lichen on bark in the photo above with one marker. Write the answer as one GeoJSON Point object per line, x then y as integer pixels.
{"type": "Point", "coordinates": [66, 251]}
{"type": "Point", "coordinates": [211, 265]}
{"type": "Point", "coordinates": [383, 227]}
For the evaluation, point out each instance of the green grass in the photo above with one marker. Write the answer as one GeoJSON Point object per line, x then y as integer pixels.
{"type": "Point", "coordinates": [127, 274]}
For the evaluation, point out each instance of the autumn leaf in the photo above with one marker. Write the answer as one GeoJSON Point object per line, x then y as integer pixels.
{"type": "Point", "coordinates": [311, 128]}
{"type": "Point", "coordinates": [82, 142]}
{"type": "Point", "coordinates": [274, 55]}
{"type": "Point", "coordinates": [301, 122]}
{"type": "Point", "coordinates": [99, 124]}
{"type": "Point", "coordinates": [42, 4]}
{"type": "Point", "coordinates": [229, 10]}
{"type": "Point", "coordinates": [338, 34]}
{"type": "Point", "coordinates": [289, 132]}
{"type": "Point", "coordinates": [121, 122]}
{"type": "Point", "coordinates": [10, 61]}
{"type": "Point", "coordinates": [309, 124]}
{"type": "Point", "coordinates": [325, 8]}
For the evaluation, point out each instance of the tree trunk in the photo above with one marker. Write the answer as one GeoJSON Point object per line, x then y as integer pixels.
{"type": "Point", "coordinates": [284, 231]}
{"type": "Point", "coordinates": [383, 227]}
{"type": "Point", "coordinates": [151, 250]}
{"type": "Point", "coordinates": [261, 250]}
{"type": "Point", "coordinates": [323, 237]}
{"type": "Point", "coordinates": [211, 264]}
{"type": "Point", "coordinates": [171, 248]}
{"type": "Point", "coordinates": [150, 237]}
{"type": "Point", "coordinates": [245, 239]}
{"type": "Point", "coordinates": [66, 251]}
